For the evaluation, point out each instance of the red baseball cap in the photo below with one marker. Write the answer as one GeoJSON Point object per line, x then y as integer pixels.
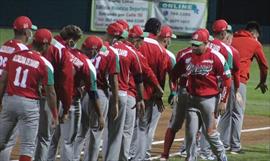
{"type": "Point", "coordinates": [43, 36]}
{"type": "Point", "coordinates": [116, 29]}
{"type": "Point", "coordinates": [23, 22]}
{"type": "Point", "coordinates": [200, 36]}
{"type": "Point", "coordinates": [124, 23]}
{"type": "Point", "coordinates": [166, 31]}
{"type": "Point", "coordinates": [220, 25]}
{"type": "Point", "coordinates": [136, 31]}
{"type": "Point", "coordinates": [93, 42]}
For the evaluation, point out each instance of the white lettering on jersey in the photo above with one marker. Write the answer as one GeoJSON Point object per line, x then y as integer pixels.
{"type": "Point", "coordinates": [77, 62]}
{"type": "Point", "coordinates": [26, 61]}
{"type": "Point", "coordinates": [122, 52]}
{"type": "Point", "coordinates": [213, 46]}
{"type": "Point", "coordinates": [7, 49]}
{"type": "Point", "coordinates": [3, 61]}
{"type": "Point", "coordinates": [199, 69]}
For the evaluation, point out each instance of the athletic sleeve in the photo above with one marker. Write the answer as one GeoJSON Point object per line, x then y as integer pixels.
{"type": "Point", "coordinates": [90, 76]}
{"type": "Point", "coordinates": [263, 65]}
{"type": "Point", "coordinates": [223, 70]}
{"type": "Point", "coordinates": [49, 71]}
{"type": "Point", "coordinates": [65, 83]}
{"type": "Point", "coordinates": [113, 61]}
{"type": "Point", "coordinates": [177, 70]}
{"type": "Point", "coordinates": [236, 68]}
{"type": "Point", "coordinates": [147, 71]}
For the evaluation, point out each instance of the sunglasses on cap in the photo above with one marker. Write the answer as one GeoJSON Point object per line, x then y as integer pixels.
{"type": "Point", "coordinates": [195, 45]}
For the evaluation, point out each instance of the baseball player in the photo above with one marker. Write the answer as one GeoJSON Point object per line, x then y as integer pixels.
{"type": "Point", "coordinates": [22, 77]}
{"type": "Point", "coordinates": [202, 70]}
{"type": "Point", "coordinates": [69, 106]}
{"type": "Point", "coordinates": [134, 41]}
{"type": "Point", "coordinates": [225, 120]}
{"type": "Point", "coordinates": [23, 27]}
{"type": "Point", "coordinates": [59, 56]}
{"type": "Point", "coordinates": [105, 62]}
{"type": "Point", "coordinates": [155, 57]}
{"type": "Point", "coordinates": [179, 107]}
{"type": "Point", "coordinates": [249, 48]}
{"type": "Point", "coordinates": [129, 67]}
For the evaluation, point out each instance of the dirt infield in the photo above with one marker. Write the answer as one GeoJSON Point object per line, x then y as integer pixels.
{"type": "Point", "coordinates": [247, 138]}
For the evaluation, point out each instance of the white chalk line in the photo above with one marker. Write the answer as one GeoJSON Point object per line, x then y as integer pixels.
{"type": "Point", "coordinates": [182, 139]}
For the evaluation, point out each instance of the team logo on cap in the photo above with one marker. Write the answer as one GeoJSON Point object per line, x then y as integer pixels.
{"type": "Point", "coordinates": [195, 36]}
{"type": "Point", "coordinates": [25, 25]}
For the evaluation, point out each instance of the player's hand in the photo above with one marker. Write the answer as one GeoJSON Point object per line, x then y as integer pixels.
{"type": "Point", "coordinates": [221, 107]}
{"type": "Point", "coordinates": [140, 106]}
{"type": "Point", "coordinates": [173, 98]}
{"type": "Point", "coordinates": [55, 122]}
{"type": "Point", "coordinates": [64, 118]}
{"type": "Point", "coordinates": [101, 122]}
{"type": "Point", "coordinates": [115, 111]}
{"type": "Point", "coordinates": [263, 87]}
{"type": "Point", "coordinates": [160, 104]}
{"type": "Point", "coordinates": [239, 99]}
{"type": "Point", "coordinates": [159, 92]}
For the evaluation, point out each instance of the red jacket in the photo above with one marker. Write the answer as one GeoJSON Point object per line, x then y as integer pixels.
{"type": "Point", "coordinates": [149, 77]}
{"type": "Point", "coordinates": [249, 48]}
{"type": "Point", "coordinates": [155, 57]}
{"type": "Point", "coordinates": [59, 56]}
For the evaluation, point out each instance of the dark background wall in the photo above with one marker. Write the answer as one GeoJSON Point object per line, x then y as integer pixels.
{"type": "Point", "coordinates": [238, 12]}
{"type": "Point", "coordinates": [54, 14]}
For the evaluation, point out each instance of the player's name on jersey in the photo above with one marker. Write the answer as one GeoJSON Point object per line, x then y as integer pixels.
{"type": "Point", "coordinates": [77, 62]}
{"type": "Point", "coordinates": [26, 61]}
{"type": "Point", "coordinates": [7, 49]}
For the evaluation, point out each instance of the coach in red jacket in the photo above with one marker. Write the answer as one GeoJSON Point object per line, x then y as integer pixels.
{"type": "Point", "coordinates": [245, 41]}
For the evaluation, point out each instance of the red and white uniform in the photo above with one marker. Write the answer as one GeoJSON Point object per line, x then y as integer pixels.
{"type": "Point", "coordinates": [221, 47]}
{"type": "Point", "coordinates": [249, 48]}
{"type": "Point", "coordinates": [183, 54]}
{"type": "Point", "coordinates": [106, 63]}
{"type": "Point", "coordinates": [155, 56]}
{"type": "Point", "coordinates": [7, 49]}
{"type": "Point", "coordinates": [59, 56]}
{"type": "Point", "coordinates": [25, 72]}
{"type": "Point", "coordinates": [85, 72]}
{"type": "Point", "coordinates": [202, 71]}
{"type": "Point", "coordinates": [129, 65]}
{"type": "Point", "coordinates": [148, 75]}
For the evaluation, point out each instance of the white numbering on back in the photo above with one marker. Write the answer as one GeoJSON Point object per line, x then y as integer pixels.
{"type": "Point", "coordinates": [97, 60]}
{"type": "Point", "coordinates": [17, 81]}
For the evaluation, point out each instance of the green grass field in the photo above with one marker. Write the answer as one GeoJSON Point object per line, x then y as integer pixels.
{"type": "Point", "coordinates": [257, 103]}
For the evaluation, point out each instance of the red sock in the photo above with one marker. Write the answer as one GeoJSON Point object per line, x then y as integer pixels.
{"type": "Point", "coordinates": [169, 137]}
{"type": "Point", "coordinates": [25, 158]}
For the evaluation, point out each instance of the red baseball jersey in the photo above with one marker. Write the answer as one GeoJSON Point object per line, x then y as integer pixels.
{"type": "Point", "coordinates": [183, 54]}
{"type": "Point", "coordinates": [202, 73]}
{"type": "Point", "coordinates": [221, 47]}
{"type": "Point", "coordinates": [27, 70]}
{"type": "Point", "coordinates": [129, 65]}
{"type": "Point", "coordinates": [7, 49]}
{"type": "Point", "coordinates": [149, 77]}
{"type": "Point", "coordinates": [155, 57]}
{"type": "Point", "coordinates": [106, 63]}
{"type": "Point", "coordinates": [85, 72]}
{"type": "Point", "coordinates": [59, 56]}
{"type": "Point", "coordinates": [249, 48]}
